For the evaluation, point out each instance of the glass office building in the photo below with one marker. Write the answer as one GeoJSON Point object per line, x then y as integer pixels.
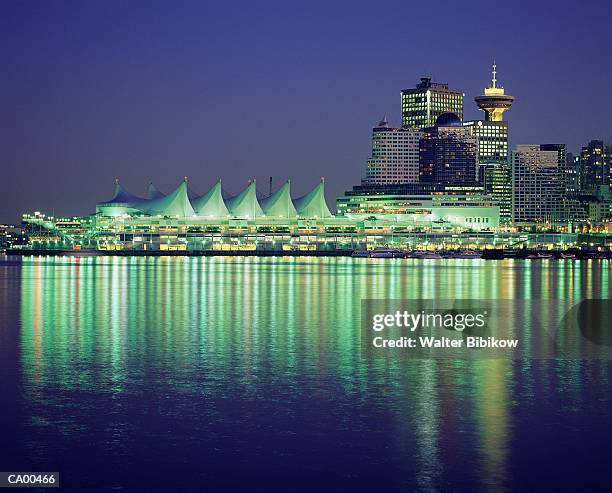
{"type": "Point", "coordinates": [422, 105]}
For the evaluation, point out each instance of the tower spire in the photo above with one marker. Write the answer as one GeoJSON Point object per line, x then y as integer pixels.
{"type": "Point", "coordinates": [494, 81]}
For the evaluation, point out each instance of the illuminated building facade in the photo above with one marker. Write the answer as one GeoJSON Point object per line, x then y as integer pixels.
{"type": "Point", "coordinates": [497, 182]}
{"type": "Point", "coordinates": [571, 176]}
{"type": "Point", "coordinates": [448, 152]}
{"type": "Point", "coordinates": [492, 135]}
{"type": "Point", "coordinates": [595, 166]}
{"type": "Point", "coordinates": [422, 105]}
{"type": "Point", "coordinates": [494, 102]}
{"type": "Point", "coordinates": [395, 155]}
{"type": "Point", "coordinates": [492, 140]}
{"type": "Point", "coordinates": [423, 206]}
{"type": "Point", "coordinates": [536, 194]}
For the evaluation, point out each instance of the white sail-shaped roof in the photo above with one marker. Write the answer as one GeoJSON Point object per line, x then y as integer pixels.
{"type": "Point", "coordinates": [174, 204]}
{"type": "Point", "coordinates": [123, 203]}
{"type": "Point", "coordinates": [313, 203]}
{"type": "Point", "coordinates": [211, 204]}
{"type": "Point", "coordinates": [122, 196]}
{"type": "Point", "coordinates": [279, 204]}
{"type": "Point", "coordinates": [245, 204]}
{"type": "Point", "coordinates": [153, 192]}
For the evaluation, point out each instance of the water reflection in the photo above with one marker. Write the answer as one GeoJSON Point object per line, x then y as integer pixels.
{"type": "Point", "coordinates": [245, 356]}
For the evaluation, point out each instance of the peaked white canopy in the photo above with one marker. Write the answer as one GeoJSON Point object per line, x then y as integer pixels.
{"type": "Point", "coordinates": [174, 204]}
{"type": "Point", "coordinates": [211, 204]}
{"type": "Point", "coordinates": [279, 204]}
{"type": "Point", "coordinates": [245, 204]}
{"type": "Point", "coordinates": [313, 204]}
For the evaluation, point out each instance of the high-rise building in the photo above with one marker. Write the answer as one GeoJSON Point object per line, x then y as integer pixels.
{"type": "Point", "coordinates": [493, 167]}
{"type": "Point", "coordinates": [595, 166]}
{"type": "Point", "coordinates": [492, 140]}
{"type": "Point", "coordinates": [395, 155]}
{"type": "Point", "coordinates": [571, 176]}
{"type": "Point", "coordinates": [562, 164]}
{"type": "Point", "coordinates": [535, 186]}
{"type": "Point", "coordinates": [448, 152]}
{"type": "Point", "coordinates": [422, 105]}
{"type": "Point", "coordinates": [492, 134]}
{"type": "Point", "coordinates": [569, 209]}
{"type": "Point", "coordinates": [497, 183]}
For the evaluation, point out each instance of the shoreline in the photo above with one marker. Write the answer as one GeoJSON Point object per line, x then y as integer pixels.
{"type": "Point", "coordinates": [487, 254]}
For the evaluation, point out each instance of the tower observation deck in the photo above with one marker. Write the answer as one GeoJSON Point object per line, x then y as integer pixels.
{"type": "Point", "coordinates": [494, 101]}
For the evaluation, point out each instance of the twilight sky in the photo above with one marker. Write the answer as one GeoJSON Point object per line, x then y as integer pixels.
{"type": "Point", "coordinates": [154, 91]}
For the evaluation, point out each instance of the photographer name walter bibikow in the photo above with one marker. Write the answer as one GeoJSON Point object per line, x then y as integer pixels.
{"type": "Point", "coordinates": [459, 330]}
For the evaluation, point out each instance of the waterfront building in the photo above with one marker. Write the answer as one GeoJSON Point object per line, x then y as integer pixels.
{"type": "Point", "coordinates": [279, 204]}
{"type": "Point", "coordinates": [600, 206]}
{"type": "Point", "coordinates": [448, 152]}
{"type": "Point", "coordinates": [217, 204]}
{"type": "Point", "coordinates": [595, 166]}
{"type": "Point", "coordinates": [212, 204]}
{"type": "Point", "coordinates": [570, 209]}
{"type": "Point", "coordinates": [412, 216]}
{"type": "Point", "coordinates": [395, 155]}
{"type": "Point", "coordinates": [423, 104]}
{"type": "Point", "coordinates": [245, 205]}
{"type": "Point", "coordinates": [423, 206]}
{"type": "Point", "coordinates": [536, 197]}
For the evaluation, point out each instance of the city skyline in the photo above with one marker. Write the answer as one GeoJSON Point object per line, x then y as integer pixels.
{"type": "Point", "coordinates": [206, 118]}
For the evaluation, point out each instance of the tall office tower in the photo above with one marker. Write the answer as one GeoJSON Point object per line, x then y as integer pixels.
{"type": "Point", "coordinates": [561, 151]}
{"type": "Point", "coordinates": [494, 102]}
{"type": "Point", "coordinates": [422, 105]}
{"type": "Point", "coordinates": [448, 152]}
{"type": "Point", "coordinates": [492, 140]}
{"type": "Point", "coordinates": [493, 167]}
{"type": "Point", "coordinates": [395, 155]}
{"type": "Point", "coordinates": [497, 183]}
{"type": "Point", "coordinates": [570, 210]}
{"type": "Point", "coordinates": [595, 166]}
{"type": "Point", "coordinates": [571, 177]}
{"type": "Point", "coordinates": [535, 186]}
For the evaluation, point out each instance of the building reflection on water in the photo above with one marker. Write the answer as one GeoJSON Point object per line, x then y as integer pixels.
{"type": "Point", "coordinates": [286, 330]}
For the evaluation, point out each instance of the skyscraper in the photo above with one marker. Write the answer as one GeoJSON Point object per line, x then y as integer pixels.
{"type": "Point", "coordinates": [395, 155]}
{"type": "Point", "coordinates": [535, 185]}
{"type": "Point", "coordinates": [422, 105]}
{"type": "Point", "coordinates": [492, 140]}
{"type": "Point", "coordinates": [497, 182]}
{"type": "Point", "coordinates": [571, 176]}
{"type": "Point", "coordinates": [493, 167]}
{"type": "Point", "coordinates": [595, 166]}
{"type": "Point", "coordinates": [448, 152]}
{"type": "Point", "coordinates": [562, 167]}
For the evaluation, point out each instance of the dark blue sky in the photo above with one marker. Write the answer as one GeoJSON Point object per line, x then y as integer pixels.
{"type": "Point", "coordinates": [238, 90]}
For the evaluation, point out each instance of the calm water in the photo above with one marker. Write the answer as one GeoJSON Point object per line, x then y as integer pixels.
{"type": "Point", "coordinates": [195, 374]}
